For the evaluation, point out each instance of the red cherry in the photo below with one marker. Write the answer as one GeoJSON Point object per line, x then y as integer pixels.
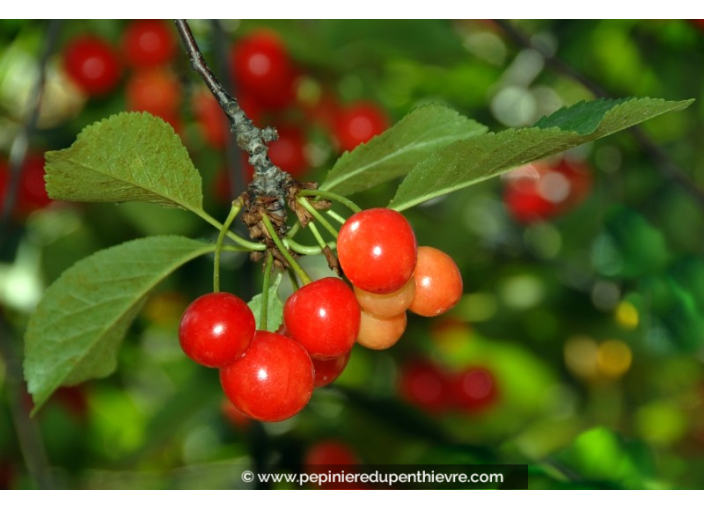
{"type": "Point", "coordinates": [426, 386]}
{"type": "Point", "coordinates": [387, 305]}
{"type": "Point", "coordinates": [474, 389]}
{"type": "Point", "coordinates": [379, 334]}
{"type": "Point", "coordinates": [287, 152]}
{"type": "Point", "coordinates": [272, 381]}
{"type": "Point", "coordinates": [156, 91]}
{"type": "Point", "coordinates": [262, 67]}
{"type": "Point", "coordinates": [330, 453]}
{"type": "Point", "coordinates": [324, 317]}
{"type": "Point", "coordinates": [377, 250]}
{"type": "Point", "coordinates": [327, 370]}
{"type": "Point", "coordinates": [32, 193]}
{"type": "Point", "coordinates": [92, 64]}
{"type": "Point", "coordinates": [233, 415]}
{"type": "Point", "coordinates": [148, 42]}
{"type": "Point", "coordinates": [359, 123]}
{"type": "Point", "coordinates": [438, 283]}
{"type": "Point", "coordinates": [216, 329]}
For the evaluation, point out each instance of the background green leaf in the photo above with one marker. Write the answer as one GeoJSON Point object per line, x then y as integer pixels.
{"type": "Point", "coordinates": [275, 308]}
{"type": "Point", "coordinates": [396, 151]}
{"type": "Point", "coordinates": [127, 157]}
{"type": "Point", "coordinates": [469, 161]}
{"type": "Point", "coordinates": [77, 328]}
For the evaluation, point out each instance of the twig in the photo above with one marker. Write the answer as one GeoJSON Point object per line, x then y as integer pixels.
{"type": "Point", "coordinates": [28, 434]}
{"type": "Point", "coordinates": [666, 166]}
{"type": "Point", "coordinates": [269, 180]}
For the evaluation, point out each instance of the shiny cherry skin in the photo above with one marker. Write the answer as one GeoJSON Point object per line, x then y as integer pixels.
{"type": "Point", "coordinates": [438, 283]}
{"type": "Point", "coordinates": [324, 317]}
{"type": "Point", "coordinates": [379, 334]}
{"type": "Point", "coordinates": [474, 389]}
{"type": "Point", "coordinates": [92, 64]}
{"type": "Point", "coordinates": [377, 250]}
{"type": "Point", "coordinates": [359, 123]}
{"type": "Point", "coordinates": [216, 329]}
{"type": "Point", "coordinates": [387, 305]}
{"type": "Point", "coordinates": [272, 381]}
{"type": "Point", "coordinates": [262, 67]}
{"type": "Point", "coordinates": [148, 43]}
{"type": "Point", "coordinates": [426, 386]}
{"type": "Point", "coordinates": [328, 370]}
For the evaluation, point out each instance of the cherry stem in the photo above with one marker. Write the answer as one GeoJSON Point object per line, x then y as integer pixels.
{"type": "Point", "coordinates": [265, 291]}
{"type": "Point", "coordinates": [249, 245]}
{"type": "Point", "coordinates": [341, 220]}
{"type": "Point", "coordinates": [284, 251]}
{"type": "Point", "coordinates": [330, 196]}
{"type": "Point", "coordinates": [305, 249]}
{"type": "Point", "coordinates": [234, 211]}
{"type": "Point", "coordinates": [294, 281]}
{"type": "Point", "coordinates": [318, 217]}
{"type": "Point", "coordinates": [317, 235]}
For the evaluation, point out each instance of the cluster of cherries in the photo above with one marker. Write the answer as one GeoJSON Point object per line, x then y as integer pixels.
{"type": "Point", "coordinates": [271, 376]}
{"type": "Point", "coordinates": [435, 390]}
{"type": "Point", "coordinates": [543, 190]}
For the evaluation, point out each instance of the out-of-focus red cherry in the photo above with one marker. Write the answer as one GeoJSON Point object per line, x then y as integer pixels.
{"type": "Point", "coordinates": [92, 64]}
{"type": "Point", "coordinates": [156, 91]}
{"type": "Point", "coordinates": [474, 389]}
{"type": "Point", "coordinates": [425, 386]}
{"type": "Point", "coordinates": [358, 123]}
{"type": "Point", "coordinates": [148, 43]}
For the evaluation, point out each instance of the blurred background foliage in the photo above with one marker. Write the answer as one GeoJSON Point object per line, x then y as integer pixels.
{"type": "Point", "coordinates": [581, 332]}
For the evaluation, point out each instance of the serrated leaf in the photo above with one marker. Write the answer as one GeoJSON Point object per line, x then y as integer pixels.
{"type": "Point", "coordinates": [396, 151]}
{"type": "Point", "coordinates": [467, 162]}
{"type": "Point", "coordinates": [77, 328]}
{"type": "Point", "coordinates": [275, 308]}
{"type": "Point", "coordinates": [127, 157]}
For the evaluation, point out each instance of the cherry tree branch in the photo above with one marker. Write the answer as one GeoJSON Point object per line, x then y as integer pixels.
{"type": "Point", "coordinates": [666, 166]}
{"type": "Point", "coordinates": [269, 180]}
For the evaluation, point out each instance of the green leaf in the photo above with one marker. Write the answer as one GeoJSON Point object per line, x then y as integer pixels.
{"type": "Point", "coordinates": [275, 308]}
{"type": "Point", "coordinates": [127, 157]}
{"type": "Point", "coordinates": [396, 151]}
{"type": "Point", "coordinates": [77, 328]}
{"type": "Point", "coordinates": [467, 162]}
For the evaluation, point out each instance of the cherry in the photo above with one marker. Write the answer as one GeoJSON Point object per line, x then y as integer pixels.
{"type": "Point", "coordinates": [272, 381]}
{"type": "Point", "coordinates": [324, 317]}
{"type": "Point", "coordinates": [92, 64]}
{"type": "Point", "coordinates": [426, 386]}
{"type": "Point", "coordinates": [287, 152]}
{"type": "Point", "coordinates": [377, 250]}
{"type": "Point", "coordinates": [216, 329]}
{"type": "Point", "coordinates": [474, 389]}
{"type": "Point", "coordinates": [32, 192]}
{"type": "Point", "coordinates": [387, 305]}
{"type": "Point", "coordinates": [148, 42]}
{"type": "Point", "coordinates": [156, 91]}
{"type": "Point", "coordinates": [540, 191]}
{"type": "Point", "coordinates": [438, 283]}
{"type": "Point", "coordinates": [262, 67]}
{"type": "Point", "coordinates": [378, 334]}
{"type": "Point", "coordinates": [233, 415]}
{"type": "Point", "coordinates": [329, 453]}
{"type": "Point", "coordinates": [327, 370]}
{"type": "Point", "coordinates": [359, 123]}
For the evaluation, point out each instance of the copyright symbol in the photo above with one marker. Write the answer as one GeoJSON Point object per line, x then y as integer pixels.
{"type": "Point", "coordinates": [247, 476]}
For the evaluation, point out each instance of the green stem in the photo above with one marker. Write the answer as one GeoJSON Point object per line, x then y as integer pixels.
{"type": "Point", "coordinates": [224, 229]}
{"type": "Point", "coordinates": [265, 291]}
{"type": "Point", "coordinates": [317, 235]}
{"type": "Point", "coordinates": [251, 246]}
{"type": "Point", "coordinates": [305, 249]}
{"type": "Point", "coordinates": [319, 217]}
{"type": "Point", "coordinates": [330, 196]}
{"type": "Point", "coordinates": [284, 251]}
{"type": "Point", "coordinates": [336, 217]}
{"type": "Point", "coordinates": [294, 281]}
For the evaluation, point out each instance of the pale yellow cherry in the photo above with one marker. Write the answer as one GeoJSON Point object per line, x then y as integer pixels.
{"type": "Point", "coordinates": [387, 305]}
{"type": "Point", "coordinates": [376, 333]}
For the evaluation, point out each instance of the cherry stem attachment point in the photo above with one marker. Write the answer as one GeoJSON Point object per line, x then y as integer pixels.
{"type": "Point", "coordinates": [330, 196]}
{"type": "Point", "coordinates": [284, 251]}
{"type": "Point", "coordinates": [265, 291]}
{"type": "Point", "coordinates": [318, 217]}
{"type": "Point", "coordinates": [224, 229]}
